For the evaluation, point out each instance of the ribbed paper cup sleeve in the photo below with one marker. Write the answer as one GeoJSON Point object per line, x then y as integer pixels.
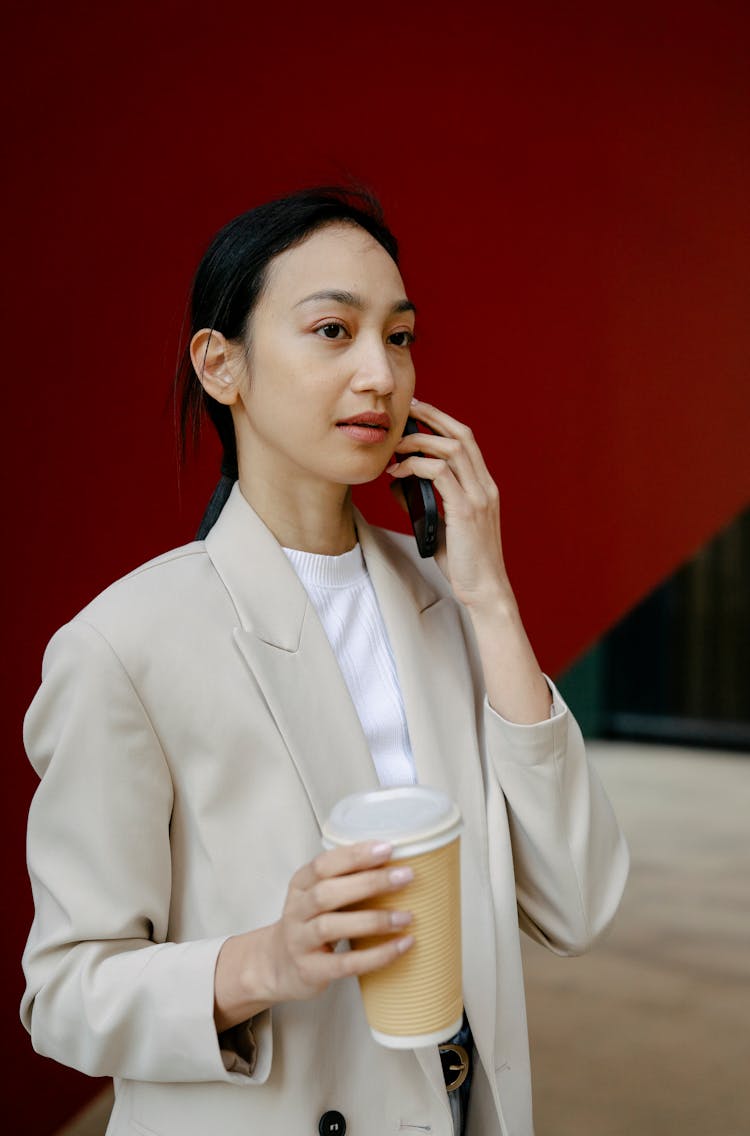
{"type": "Point", "coordinates": [416, 1000]}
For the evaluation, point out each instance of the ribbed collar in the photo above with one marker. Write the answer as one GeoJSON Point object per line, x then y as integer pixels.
{"type": "Point", "coordinates": [317, 570]}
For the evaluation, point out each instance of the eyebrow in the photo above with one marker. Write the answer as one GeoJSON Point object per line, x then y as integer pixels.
{"type": "Point", "coordinates": [352, 300]}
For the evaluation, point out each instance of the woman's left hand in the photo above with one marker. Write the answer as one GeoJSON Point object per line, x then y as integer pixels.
{"type": "Point", "coordinates": [471, 555]}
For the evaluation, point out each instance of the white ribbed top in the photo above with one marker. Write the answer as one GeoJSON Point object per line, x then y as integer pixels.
{"type": "Point", "coordinates": [344, 598]}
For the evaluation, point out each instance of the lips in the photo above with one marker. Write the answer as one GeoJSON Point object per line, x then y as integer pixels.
{"type": "Point", "coordinates": [369, 428]}
{"type": "Point", "coordinates": [372, 418]}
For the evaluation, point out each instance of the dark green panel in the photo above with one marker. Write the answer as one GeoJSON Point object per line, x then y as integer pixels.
{"type": "Point", "coordinates": [677, 667]}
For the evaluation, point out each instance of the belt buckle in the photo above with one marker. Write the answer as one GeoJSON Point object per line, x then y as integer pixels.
{"type": "Point", "coordinates": [461, 1069]}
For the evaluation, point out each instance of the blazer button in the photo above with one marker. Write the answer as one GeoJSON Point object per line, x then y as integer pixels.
{"type": "Point", "coordinates": [332, 1124]}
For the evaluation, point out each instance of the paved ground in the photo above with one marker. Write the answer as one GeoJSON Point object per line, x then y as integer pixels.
{"type": "Point", "coordinates": [649, 1035]}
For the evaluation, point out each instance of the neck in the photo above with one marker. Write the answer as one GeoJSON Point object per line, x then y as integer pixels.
{"type": "Point", "coordinates": [303, 515]}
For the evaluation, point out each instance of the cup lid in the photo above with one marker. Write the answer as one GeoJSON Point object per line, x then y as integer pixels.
{"type": "Point", "coordinates": [399, 815]}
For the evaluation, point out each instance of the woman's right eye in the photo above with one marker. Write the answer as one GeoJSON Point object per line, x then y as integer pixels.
{"type": "Point", "coordinates": [331, 330]}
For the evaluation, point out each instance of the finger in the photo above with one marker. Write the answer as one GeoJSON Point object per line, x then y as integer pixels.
{"type": "Point", "coordinates": [438, 472]}
{"type": "Point", "coordinates": [450, 427]}
{"type": "Point", "coordinates": [344, 964]}
{"type": "Point", "coordinates": [344, 891]}
{"type": "Point", "coordinates": [418, 466]}
{"type": "Point", "coordinates": [460, 504]}
{"type": "Point", "coordinates": [438, 420]}
{"type": "Point", "coordinates": [352, 925]}
{"type": "Point", "coordinates": [340, 861]}
{"type": "Point", "coordinates": [451, 450]}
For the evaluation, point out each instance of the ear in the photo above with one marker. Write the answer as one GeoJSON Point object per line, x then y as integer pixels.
{"type": "Point", "coordinates": [216, 365]}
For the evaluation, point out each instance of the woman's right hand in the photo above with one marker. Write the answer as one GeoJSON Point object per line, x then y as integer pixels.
{"type": "Point", "coordinates": [295, 958]}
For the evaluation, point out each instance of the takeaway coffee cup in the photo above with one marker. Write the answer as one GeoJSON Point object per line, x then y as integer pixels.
{"type": "Point", "coordinates": [417, 999]}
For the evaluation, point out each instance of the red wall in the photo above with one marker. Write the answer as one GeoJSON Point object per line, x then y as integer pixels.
{"type": "Point", "coordinates": [571, 190]}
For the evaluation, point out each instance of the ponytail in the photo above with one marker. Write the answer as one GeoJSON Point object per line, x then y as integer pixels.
{"type": "Point", "coordinates": [219, 496]}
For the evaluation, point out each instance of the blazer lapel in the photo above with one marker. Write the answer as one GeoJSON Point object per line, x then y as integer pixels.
{"type": "Point", "coordinates": [425, 632]}
{"type": "Point", "coordinates": [288, 654]}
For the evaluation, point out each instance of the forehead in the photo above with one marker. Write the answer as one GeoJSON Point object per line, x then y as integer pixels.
{"type": "Point", "coordinates": [338, 256]}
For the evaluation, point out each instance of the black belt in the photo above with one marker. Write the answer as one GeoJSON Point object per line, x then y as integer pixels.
{"type": "Point", "coordinates": [455, 1057]}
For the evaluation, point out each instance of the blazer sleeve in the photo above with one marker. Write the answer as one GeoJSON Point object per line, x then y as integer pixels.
{"type": "Point", "coordinates": [106, 992]}
{"type": "Point", "coordinates": [570, 857]}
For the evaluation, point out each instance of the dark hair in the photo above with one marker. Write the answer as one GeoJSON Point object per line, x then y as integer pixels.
{"type": "Point", "coordinates": [229, 281]}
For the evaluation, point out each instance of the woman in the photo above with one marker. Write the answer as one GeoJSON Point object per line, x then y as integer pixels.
{"type": "Point", "coordinates": [198, 720]}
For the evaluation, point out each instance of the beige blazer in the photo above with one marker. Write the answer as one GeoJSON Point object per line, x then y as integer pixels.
{"type": "Point", "coordinates": [191, 732]}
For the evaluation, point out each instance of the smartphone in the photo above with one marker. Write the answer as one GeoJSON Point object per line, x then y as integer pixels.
{"type": "Point", "coordinates": [420, 500]}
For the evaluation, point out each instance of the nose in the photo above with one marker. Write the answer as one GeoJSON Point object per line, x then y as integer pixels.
{"type": "Point", "coordinates": [374, 370]}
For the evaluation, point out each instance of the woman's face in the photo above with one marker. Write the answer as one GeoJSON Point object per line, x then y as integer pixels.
{"type": "Point", "coordinates": [328, 376]}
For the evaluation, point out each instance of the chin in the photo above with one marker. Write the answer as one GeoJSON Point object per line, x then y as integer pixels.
{"type": "Point", "coordinates": [362, 473]}
{"type": "Point", "coordinates": [364, 480]}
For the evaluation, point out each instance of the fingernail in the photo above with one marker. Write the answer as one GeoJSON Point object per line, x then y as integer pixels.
{"type": "Point", "coordinates": [414, 401]}
{"type": "Point", "coordinates": [400, 918]}
{"type": "Point", "coordinates": [401, 876]}
{"type": "Point", "coordinates": [378, 850]}
{"type": "Point", "coordinates": [391, 468]}
{"type": "Point", "coordinates": [404, 943]}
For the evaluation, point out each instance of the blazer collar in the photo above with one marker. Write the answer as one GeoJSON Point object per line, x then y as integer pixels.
{"type": "Point", "coordinates": [263, 586]}
{"type": "Point", "coordinates": [265, 589]}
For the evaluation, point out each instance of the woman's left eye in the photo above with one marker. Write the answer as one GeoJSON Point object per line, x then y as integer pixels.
{"type": "Point", "coordinates": [402, 338]}
{"type": "Point", "coordinates": [331, 330]}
